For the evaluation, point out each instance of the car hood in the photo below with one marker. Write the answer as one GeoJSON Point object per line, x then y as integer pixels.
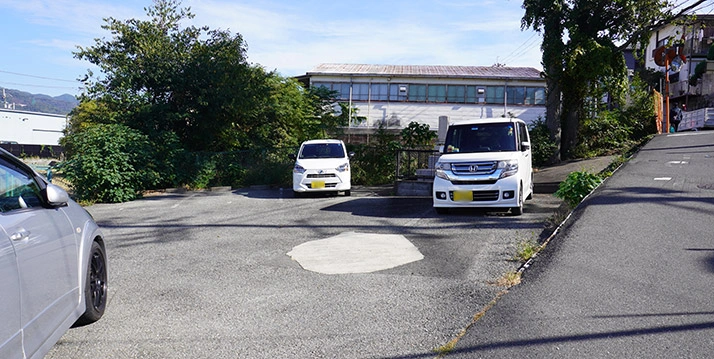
{"type": "Point", "coordinates": [321, 163]}
{"type": "Point", "coordinates": [478, 156]}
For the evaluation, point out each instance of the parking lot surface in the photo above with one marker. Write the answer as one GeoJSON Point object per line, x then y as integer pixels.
{"type": "Point", "coordinates": [208, 274]}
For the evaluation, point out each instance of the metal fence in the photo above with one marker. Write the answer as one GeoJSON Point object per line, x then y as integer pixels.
{"type": "Point", "coordinates": [42, 151]}
{"type": "Point", "coordinates": [416, 164]}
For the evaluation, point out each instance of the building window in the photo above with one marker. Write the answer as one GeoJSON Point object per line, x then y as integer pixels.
{"type": "Point", "coordinates": [417, 93]}
{"type": "Point", "coordinates": [344, 89]}
{"type": "Point", "coordinates": [360, 92]}
{"type": "Point", "coordinates": [516, 95]}
{"type": "Point", "coordinates": [379, 92]}
{"type": "Point", "coordinates": [455, 94]}
{"type": "Point", "coordinates": [494, 94]}
{"type": "Point", "coordinates": [398, 92]}
{"type": "Point", "coordinates": [473, 94]}
{"type": "Point", "coordinates": [535, 96]}
{"type": "Point", "coordinates": [437, 93]}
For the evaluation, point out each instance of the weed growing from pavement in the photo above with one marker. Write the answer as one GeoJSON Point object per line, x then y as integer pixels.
{"type": "Point", "coordinates": [526, 249]}
{"type": "Point", "coordinates": [509, 279]}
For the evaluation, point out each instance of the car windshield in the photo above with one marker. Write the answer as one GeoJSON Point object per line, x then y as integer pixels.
{"type": "Point", "coordinates": [322, 150]}
{"type": "Point", "coordinates": [489, 137]}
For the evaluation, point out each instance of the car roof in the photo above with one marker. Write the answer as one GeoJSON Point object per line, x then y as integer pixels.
{"type": "Point", "coordinates": [311, 142]}
{"type": "Point", "coordinates": [487, 120]}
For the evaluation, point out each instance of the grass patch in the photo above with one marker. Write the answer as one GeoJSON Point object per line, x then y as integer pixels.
{"type": "Point", "coordinates": [526, 249]}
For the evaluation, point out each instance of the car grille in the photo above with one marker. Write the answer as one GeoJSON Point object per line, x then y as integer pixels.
{"type": "Point", "coordinates": [474, 168]}
{"type": "Point", "coordinates": [321, 175]}
{"type": "Point", "coordinates": [473, 182]}
{"type": "Point", "coordinates": [481, 196]}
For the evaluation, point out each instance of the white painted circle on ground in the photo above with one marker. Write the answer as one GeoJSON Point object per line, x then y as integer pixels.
{"type": "Point", "coordinates": [352, 252]}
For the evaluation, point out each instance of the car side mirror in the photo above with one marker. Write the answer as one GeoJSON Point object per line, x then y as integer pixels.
{"type": "Point", "coordinates": [292, 156]}
{"type": "Point", "coordinates": [525, 146]}
{"type": "Point", "coordinates": [351, 154]}
{"type": "Point", "coordinates": [56, 196]}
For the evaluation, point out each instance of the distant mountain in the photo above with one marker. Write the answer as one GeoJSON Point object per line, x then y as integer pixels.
{"type": "Point", "coordinates": [25, 101]}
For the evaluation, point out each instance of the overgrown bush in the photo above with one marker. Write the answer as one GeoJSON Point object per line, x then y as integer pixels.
{"type": "Point", "coordinates": [375, 163]}
{"type": "Point", "coordinates": [417, 136]}
{"type": "Point", "coordinates": [605, 134]}
{"type": "Point", "coordinates": [107, 163]}
{"type": "Point", "coordinates": [576, 186]}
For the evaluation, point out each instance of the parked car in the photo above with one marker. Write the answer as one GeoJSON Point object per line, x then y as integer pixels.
{"type": "Point", "coordinates": [52, 260]}
{"type": "Point", "coordinates": [484, 163]}
{"type": "Point", "coordinates": [322, 166]}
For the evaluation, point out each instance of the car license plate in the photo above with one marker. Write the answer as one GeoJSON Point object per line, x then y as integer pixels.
{"type": "Point", "coordinates": [463, 196]}
{"type": "Point", "coordinates": [317, 184]}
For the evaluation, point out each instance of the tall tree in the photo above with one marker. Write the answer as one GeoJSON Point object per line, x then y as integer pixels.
{"type": "Point", "coordinates": [582, 58]}
{"type": "Point", "coordinates": [159, 77]}
{"type": "Point", "coordinates": [547, 16]}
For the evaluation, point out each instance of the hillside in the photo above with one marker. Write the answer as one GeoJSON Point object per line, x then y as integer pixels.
{"type": "Point", "coordinates": [25, 101]}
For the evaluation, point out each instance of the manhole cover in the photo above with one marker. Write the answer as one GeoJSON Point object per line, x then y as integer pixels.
{"type": "Point", "coordinates": [706, 186]}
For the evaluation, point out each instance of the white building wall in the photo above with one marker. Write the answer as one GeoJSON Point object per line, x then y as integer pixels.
{"type": "Point", "coordinates": [31, 128]}
{"type": "Point", "coordinates": [428, 113]}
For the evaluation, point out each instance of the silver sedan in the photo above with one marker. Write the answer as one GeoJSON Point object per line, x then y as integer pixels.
{"type": "Point", "coordinates": [52, 262]}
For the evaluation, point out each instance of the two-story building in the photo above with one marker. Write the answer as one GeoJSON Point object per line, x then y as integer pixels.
{"type": "Point", "coordinates": [395, 95]}
{"type": "Point", "coordinates": [696, 37]}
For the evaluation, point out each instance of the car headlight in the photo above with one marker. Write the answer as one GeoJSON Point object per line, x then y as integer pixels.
{"type": "Point", "coordinates": [298, 169]}
{"type": "Point", "coordinates": [344, 167]}
{"type": "Point", "coordinates": [440, 168]}
{"type": "Point", "coordinates": [508, 168]}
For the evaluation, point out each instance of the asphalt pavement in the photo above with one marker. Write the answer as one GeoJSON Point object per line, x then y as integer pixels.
{"type": "Point", "coordinates": [629, 275]}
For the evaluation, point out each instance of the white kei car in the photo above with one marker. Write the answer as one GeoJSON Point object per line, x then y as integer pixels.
{"type": "Point", "coordinates": [484, 163]}
{"type": "Point", "coordinates": [322, 166]}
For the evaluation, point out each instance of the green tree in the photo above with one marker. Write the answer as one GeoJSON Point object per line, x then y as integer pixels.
{"type": "Point", "coordinates": [158, 77]}
{"type": "Point", "coordinates": [417, 136]}
{"type": "Point", "coordinates": [192, 93]}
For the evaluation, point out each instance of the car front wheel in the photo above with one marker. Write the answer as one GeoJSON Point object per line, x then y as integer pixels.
{"type": "Point", "coordinates": [95, 288]}
{"type": "Point", "coordinates": [517, 211]}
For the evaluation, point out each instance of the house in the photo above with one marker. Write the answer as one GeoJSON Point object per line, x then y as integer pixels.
{"type": "Point", "coordinates": [692, 39]}
{"type": "Point", "coordinates": [396, 95]}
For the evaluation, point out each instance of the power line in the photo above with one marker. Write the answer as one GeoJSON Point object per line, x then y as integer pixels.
{"type": "Point", "coordinates": [37, 77]}
{"type": "Point", "coordinates": [526, 46]}
{"type": "Point", "coordinates": [43, 86]}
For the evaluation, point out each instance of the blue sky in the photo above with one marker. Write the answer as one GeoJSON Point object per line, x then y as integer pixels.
{"type": "Point", "coordinates": [289, 36]}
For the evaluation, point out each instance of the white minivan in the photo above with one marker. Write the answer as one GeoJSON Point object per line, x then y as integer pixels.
{"type": "Point", "coordinates": [484, 163]}
{"type": "Point", "coordinates": [322, 166]}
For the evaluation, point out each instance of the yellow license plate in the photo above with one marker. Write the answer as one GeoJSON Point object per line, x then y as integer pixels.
{"type": "Point", "coordinates": [463, 196]}
{"type": "Point", "coordinates": [317, 184]}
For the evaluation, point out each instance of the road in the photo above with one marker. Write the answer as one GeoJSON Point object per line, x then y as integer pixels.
{"type": "Point", "coordinates": [208, 275]}
{"type": "Point", "coordinates": [631, 275]}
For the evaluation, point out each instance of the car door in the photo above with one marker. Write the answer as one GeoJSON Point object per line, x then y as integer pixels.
{"type": "Point", "coordinates": [46, 251]}
{"type": "Point", "coordinates": [10, 334]}
{"type": "Point", "coordinates": [525, 156]}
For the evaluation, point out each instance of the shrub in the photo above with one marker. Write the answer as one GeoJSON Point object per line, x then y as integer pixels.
{"type": "Point", "coordinates": [542, 146]}
{"type": "Point", "coordinates": [605, 134]}
{"type": "Point", "coordinates": [576, 186]}
{"type": "Point", "coordinates": [112, 163]}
